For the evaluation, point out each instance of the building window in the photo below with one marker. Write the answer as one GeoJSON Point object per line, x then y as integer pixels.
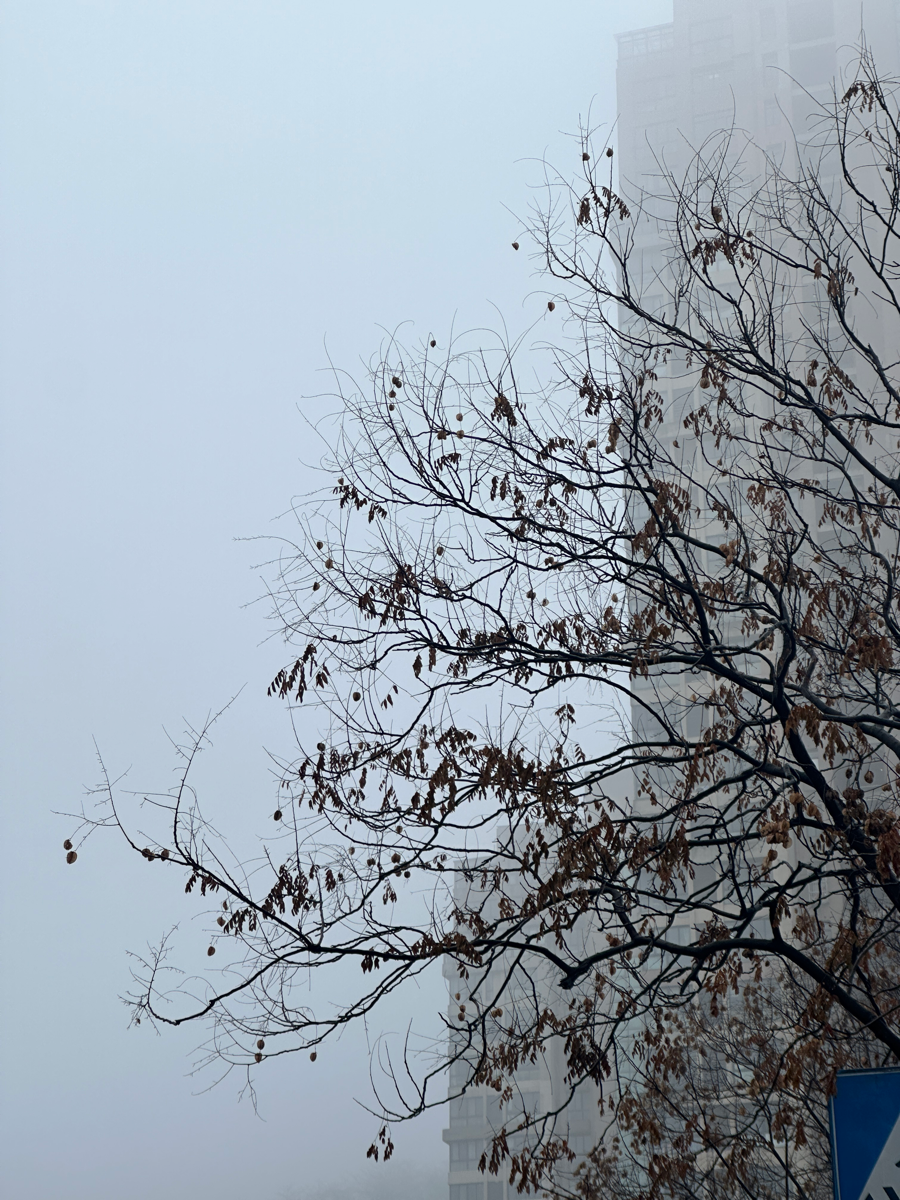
{"type": "Point", "coordinates": [645, 41]}
{"type": "Point", "coordinates": [713, 122]}
{"type": "Point", "coordinates": [467, 1191]}
{"type": "Point", "coordinates": [810, 20]}
{"type": "Point", "coordinates": [467, 1110]}
{"type": "Point", "coordinates": [711, 37]}
{"type": "Point", "coordinates": [528, 1070]}
{"type": "Point", "coordinates": [814, 65]}
{"type": "Point", "coordinates": [465, 1155]}
{"type": "Point", "coordinates": [773, 112]}
{"type": "Point", "coordinates": [581, 1105]}
{"type": "Point", "coordinates": [582, 1143]}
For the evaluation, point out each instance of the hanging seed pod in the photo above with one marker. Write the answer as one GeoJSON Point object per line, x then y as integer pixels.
{"type": "Point", "coordinates": [70, 857]}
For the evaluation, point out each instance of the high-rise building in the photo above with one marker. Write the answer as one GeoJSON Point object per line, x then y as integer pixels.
{"type": "Point", "coordinates": [538, 1086]}
{"type": "Point", "coordinates": [758, 68]}
{"type": "Point", "coordinates": [759, 65]}
{"type": "Point", "coordinates": [757, 74]}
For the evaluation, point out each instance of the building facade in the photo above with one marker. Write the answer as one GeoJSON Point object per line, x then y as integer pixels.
{"type": "Point", "coordinates": [758, 69]}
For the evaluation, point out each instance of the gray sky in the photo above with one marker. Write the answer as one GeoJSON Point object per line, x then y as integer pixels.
{"type": "Point", "coordinates": [195, 198]}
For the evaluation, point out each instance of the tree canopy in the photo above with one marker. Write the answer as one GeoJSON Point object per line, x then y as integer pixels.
{"type": "Point", "coordinates": [603, 667]}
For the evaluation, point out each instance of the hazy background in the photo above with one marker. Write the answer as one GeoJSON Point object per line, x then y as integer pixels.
{"type": "Point", "coordinates": [196, 198]}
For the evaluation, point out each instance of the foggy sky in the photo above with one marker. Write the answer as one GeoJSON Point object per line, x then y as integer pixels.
{"type": "Point", "coordinates": [200, 204]}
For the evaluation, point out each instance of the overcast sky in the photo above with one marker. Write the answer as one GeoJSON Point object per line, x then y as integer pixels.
{"type": "Point", "coordinates": [200, 203]}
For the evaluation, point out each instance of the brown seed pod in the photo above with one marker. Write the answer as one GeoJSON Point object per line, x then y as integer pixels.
{"type": "Point", "coordinates": [260, 1045]}
{"type": "Point", "coordinates": [67, 844]}
{"type": "Point", "coordinates": [515, 245]}
{"type": "Point", "coordinates": [277, 815]}
{"type": "Point", "coordinates": [220, 921]}
{"type": "Point", "coordinates": [440, 550]}
{"type": "Point", "coordinates": [433, 343]}
{"type": "Point", "coordinates": [357, 695]}
{"type": "Point", "coordinates": [550, 305]}
{"type": "Point", "coordinates": [319, 545]}
{"type": "Point", "coordinates": [609, 151]}
{"type": "Point", "coordinates": [313, 1056]}
{"type": "Point", "coordinates": [329, 563]}
{"type": "Point", "coordinates": [585, 157]}
{"type": "Point", "coordinates": [392, 395]}
{"type": "Point", "coordinates": [316, 586]}
{"type": "Point", "coordinates": [396, 382]}
{"type": "Point", "coordinates": [257, 1057]}
{"type": "Point", "coordinates": [164, 854]}
{"type": "Point", "coordinates": [211, 951]}
{"type": "Point", "coordinates": [869, 777]}
{"type": "Point", "coordinates": [320, 745]}
{"type": "Point", "coordinates": [70, 857]}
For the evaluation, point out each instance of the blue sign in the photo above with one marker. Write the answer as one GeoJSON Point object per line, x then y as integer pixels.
{"type": "Point", "coordinates": [865, 1135]}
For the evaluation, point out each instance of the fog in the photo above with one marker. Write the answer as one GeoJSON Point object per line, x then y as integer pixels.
{"type": "Point", "coordinates": [202, 205]}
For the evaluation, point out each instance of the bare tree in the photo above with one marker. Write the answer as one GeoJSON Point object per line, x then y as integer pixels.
{"type": "Point", "coordinates": [604, 669]}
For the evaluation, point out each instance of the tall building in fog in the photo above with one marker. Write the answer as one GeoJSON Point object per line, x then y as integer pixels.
{"type": "Point", "coordinates": [758, 64]}
{"type": "Point", "coordinates": [758, 67]}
